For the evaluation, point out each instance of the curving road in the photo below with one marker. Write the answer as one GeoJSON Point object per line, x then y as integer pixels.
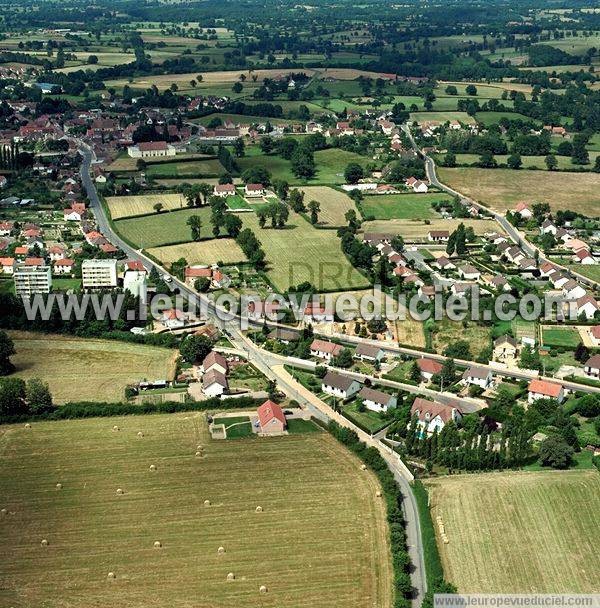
{"type": "Point", "coordinates": [272, 367]}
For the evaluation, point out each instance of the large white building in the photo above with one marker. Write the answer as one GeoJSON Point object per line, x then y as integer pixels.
{"type": "Point", "coordinates": [99, 274]}
{"type": "Point", "coordinates": [134, 280]}
{"type": "Point", "coordinates": [30, 280]}
{"type": "Point", "coordinates": [151, 149]}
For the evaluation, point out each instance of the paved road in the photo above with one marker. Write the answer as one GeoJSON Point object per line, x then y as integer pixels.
{"type": "Point", "coordinates": [518, 237]}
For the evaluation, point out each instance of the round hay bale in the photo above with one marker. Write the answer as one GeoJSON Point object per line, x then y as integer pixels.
{"type": "Point", "coordinates": [363, 467]}
{"type": "Point", "coordinates": [207, 503]}
{"type": "Point", "coordinates": [44, 542]}
{"type": "Point", "coordinates": [111, 575]}
{"type": "Point", "coordinates": [230, 577]}
{"type": "Point", "coordinates": [262, 589]}
{"type": "Point", "coordinates": [157, 544]}
{"type": "Point", "coordinates": [153, 467]}
{"type": "Point", "coordinates": [120, 491]}
{"type": "Point", "coordinates": [140, 434]}
{"type": "Point", "coordinates": [3, 511]}
{"type": "Point", "coordinates": [259, 509]}
{"type": "Point", "coordinates": [378, 493]}
{"type": "Point", "coordinates": [27, 425]}
{"type": "Point", "coordinates": [200, 448]}
{"type": "Point", "coordinates": [59, 486]}
{"type": "Point", "coordinates": [115, 428]}
{"type": "Point", "coordinates": [220, 550]}
{"type": "Point", "coordinates": [199, 454]}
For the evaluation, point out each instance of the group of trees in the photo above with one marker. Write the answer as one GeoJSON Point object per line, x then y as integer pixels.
{"type": "Point", "coordinates": [457, 241]}
{"type": "Point", "coordinates": [252, 248]}
{"type": "Point", "coordinates": [20, 398]}
{"type": "Point", "coordinates": [277, 212]}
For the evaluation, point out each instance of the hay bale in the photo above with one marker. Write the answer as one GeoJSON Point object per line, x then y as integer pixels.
{"type": "Point", "coordinates": [363, 467]}
{"type": "Point", "coordinates": [120, 491]}
{"type": "Point", "coordinates": [262, 589]}
{"type": "Point", "coordinates": [230, 577]}
{"type": "Point", "coordinates": [207, 503]}
{"type": "Point", "coordinates": [116, 428]}
{"type": "Point", "coordinates": [199, 454]}
{"type": "Point", "coordinates": [220, 550]}
{"type": "Point", "coordinates": [378, 493]}
{"type": "Point", "coordinates": [111, 575]}
{"type": "Point", "coordinates": [140, 434]}
{"type": "Point", "coordinates": [59, 486]}
{"type": "Point", "coordinates": [157, 544]}
{"type": "Point", "coordinates": [200, 448]}
{"type": "Point", "coordinates": [44, 542]}
{"type": "Point", "coordinates": [27, 425]}
{"type": "Point", "coordinates": [153, 467]}
{"type": "Point", "coordinates": [3, 511]}
{"type": "Point", "coordinates": [259, 509]}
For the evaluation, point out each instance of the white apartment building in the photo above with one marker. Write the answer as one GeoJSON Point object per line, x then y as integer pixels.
{"type": "Point", "coordinates": [99, 274]}
{"type": "Point", "coordinates": [30, 280]}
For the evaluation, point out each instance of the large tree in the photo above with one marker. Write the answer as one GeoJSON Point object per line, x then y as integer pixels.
{"type": "Point", "coordinates": [7, 348]}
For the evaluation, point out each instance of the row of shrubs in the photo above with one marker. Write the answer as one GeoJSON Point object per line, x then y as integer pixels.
{"type": "Point", "coordinates": [86, 409]}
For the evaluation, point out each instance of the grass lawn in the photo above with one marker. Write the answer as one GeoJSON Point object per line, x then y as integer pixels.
{"type": "Point", "coordinates": [442, 117]}
{"type": "Point", "coordinates": [107, 366]}
{"type": "Point", "coordinates": [127, 206]}
{"type": "Point", "coordinates": [401, 373]}
{"type": "Point", "coordinates": [297, 425]}
{"type": "Point", "coordinates": [542, 527]}
{"type": "Point", "coordinates": [502, 189]}
{"type": "Point", "coordinates": [299, 252]}
{"type": "Point", "coordinates": [368, 419]}
{"type": "Point", "coordinates": [236, 427]}
{"type": "Point", "coordinates": [300, 481]}
{"type": "Point", "coordinates": [237, 203]}
{"type": "Point", "coordinates": [529, 162]}
{"type": "Point", "coordinates": [560, 336]}
{"type": "Point", "coordinates": [196, 168]}
{"type": "Point", "coordinates": [592, 272]}
{"type": "Point", "coordinates": [163, 228]}
{"type": "Point", "coordinates": [401, 206]}
{"type": "Point", "coordinates": [210, 251]}
{"type": "Point", "coordinates": [63, 283]}
{"type": "Point", "coordinates": [246, 376]}
{"type": "Point", "coordinates": [334, 204]}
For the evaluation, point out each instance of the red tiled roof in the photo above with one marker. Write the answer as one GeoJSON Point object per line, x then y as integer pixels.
{"type": "Point", "coordinates": [326, 347]}
{"type": "Point", "coordinates": [423, 406]}
{"type": "Point", "coordinates": [543, 387]}
{"type": "Point", "coordinates": [148, 146]}
{"type": "Point", "coordinates": [269, 410]}
{"type": "Point", "coordinates": [429, 366]}
{"type": "Point", "coordinates": [198, 272]}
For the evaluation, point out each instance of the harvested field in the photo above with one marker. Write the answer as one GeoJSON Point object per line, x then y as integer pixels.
{"type": "Point", "coordinates": [334, 204]}
{"type": "Point", "coordinates": [203, 252]}
{"type": "Point", "coordinates": [541, 527]}
{"type": "Point", "coordinates": [416, 229]}
{"type": "Point", "coordinates": [127, 206]}
{"type": "Point", "coordinates": [93, 531]}
{"type": "Point", "coordinates": [107, 366]}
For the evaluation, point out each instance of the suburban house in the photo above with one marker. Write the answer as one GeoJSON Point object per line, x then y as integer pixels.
{"type": "Point", "coordinates": [324, 350]}
{"type": "Point", "coordinates": [285, 336]}
{"type": "Point", "coordinates": [594, 334]}
{"type": "Point", "coordinates": [542, 389]}
{"type": "Point", "coordinates": [271, 419]}
{"type": "Point", "coordinates": [173, 318]}
{"type": "Point", "coordinates": [583, 256]}
{"type": "Point", "coordinates": [214, 383]}
{"type": "Point", "coordinates": [478, 376]}
{"type": "Point", "coordinates": [524, 211]}
{"type": "Point", "coordinates": [216, 361]}
{"type": "Point", "coordinates": [315, 313]}
{"type": "Point", "coordinates": [443, 263]}
{"type": "Point", "coordinates": [339, 386]}
{"type": "Point", "coordinates": [433, 416]}
{"type": "Point", "coordinates": [587, 306]}
{"type": "Point", "coordinates": [438, 236]}
{"type": "Point", "coordinates": [191, 273]}
{"type": "Point", "coordinates": [64, 266]}
{"type": "Point", "coordinates": [377, 401]}
{"type": "Point", "coordinates": [151, 149]}
{"type": "Point", "coordinates": [224, 190]}
{"type": "Point", "coordinates": [369, 352]}
{"type": "Point", "coordinates": [572, 290]}
{"type": "Point", "coordinates": [7, 265]}
{"type": "Point", "coordinates": [429, 368]}
{"type": "Point", "coordinates": [506, 349]}
{"type": "Point", "coordinates": [469, 273]}
{"type": "Point", "coordinates": [254, 190]}
{"type": "Point", "coordinates": [417, 185]}
{"type": "Point", "coordinates": [592, 367]}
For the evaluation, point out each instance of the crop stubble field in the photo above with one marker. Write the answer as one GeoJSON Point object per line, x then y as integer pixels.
{"type": "Point", "coordinates": [319, 508]}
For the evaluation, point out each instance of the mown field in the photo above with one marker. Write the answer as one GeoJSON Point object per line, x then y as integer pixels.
{"type": "Point", "coordinates": [79, 369]}
{"type": "Point", "coordinates": [501, 189]}
{"type": "Point", "coordinates": [401, 206]}
{"type": "Point", "coordinates": [334, 204]}
{"type": "Point", "coordinates": [126, 206]}
{"type": "Point", "coordinates": [162, 228]}
{"type": "Point", "coordinates": [299, 252]}
{"type": "Point", "coordinates": [560, 336]}
{"type": "Point", "coordinates": [520, 532]}
{"type": "Point", "coordinates": [321, 540]}
{"type": "Point", "coordinates": [203, 252]}
{"type": "Point", "coordinates": [196, 168]}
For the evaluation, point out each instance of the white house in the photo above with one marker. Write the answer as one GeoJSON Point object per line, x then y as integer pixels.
{"type": "Point", "coordinates": [339, 386]}
{"type": "Point", "coordinates": [317, 314]}
{"type": "Point", "coordinates": [224, 190]}
{"type": "Point", "coordinates": [369, 352]}
{"type": "Point", "coordinates": [324, 350]}
{"type": "Point", "coordinates": [438, 236]}
{"type": "Point", "coordinates": [7, 265]}
{"type": "Point", "coordinates": [214, 383]}
{"type": "Point", "coordinates": [583, 256]}
{"type": "Point", "coordinates": [64, 266]}
{"type": "Point", "coordinates": [214, 361]}
{"type": "Point", "coordinates": [548, 227]}
{"type": "Point", "coordinates": [377, 401]}
{"type": "Point", "coordinates": [417, 185]}
{"type": "Point", "coordinates": [524, 211]}
{"type": "Point", "coordinates": [151, 149]}
{"type": "Point", "coordinates": [592, 367]}
{"type": "Point", "coordinates": [479, 376]}
{"type": "Point", "coordinates": [433, 416]}
{"type": "Point", "coordinates": [594, 335]}
{"type": "Point", "coordinates": [588, 306]}
{"type": "Point", "coordinates": [429, 368]}
{"type": "Point", "coordinates": [469, 273]}
{"type": "Point", "coordinates": [252, 190]}
{"type": "Point", "coordinates": [572, 290]}
{"type": "Point", "coordinates": [542, 389]}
